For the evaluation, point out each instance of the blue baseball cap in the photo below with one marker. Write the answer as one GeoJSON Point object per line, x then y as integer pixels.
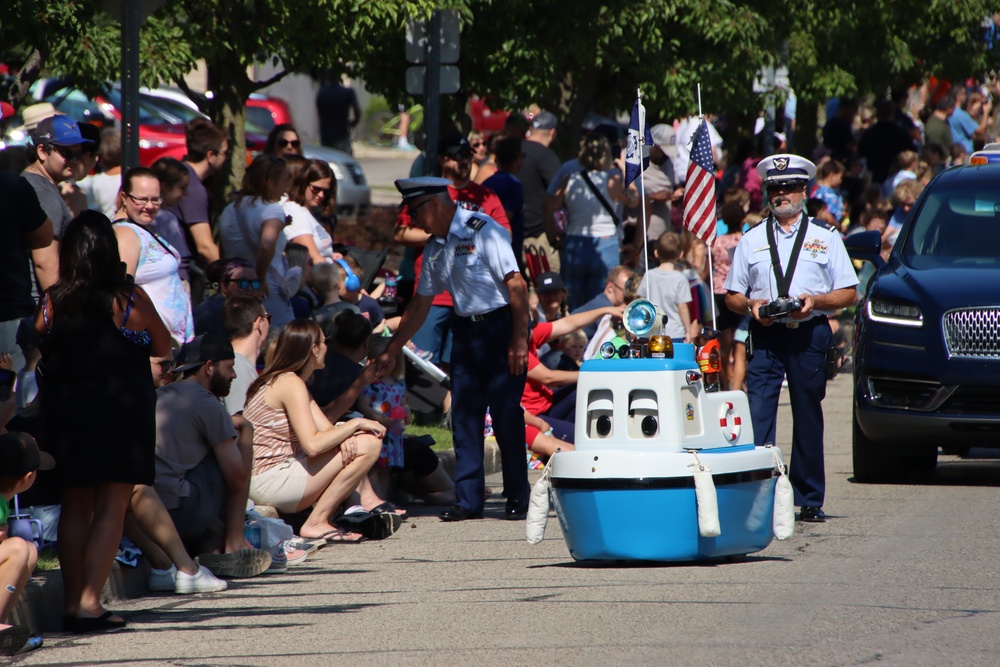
{"type": "Point", "coordinates": [59, 130]}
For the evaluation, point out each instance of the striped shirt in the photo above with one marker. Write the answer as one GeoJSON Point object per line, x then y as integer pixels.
{"type": "Point", "coordinates": [274, 440]}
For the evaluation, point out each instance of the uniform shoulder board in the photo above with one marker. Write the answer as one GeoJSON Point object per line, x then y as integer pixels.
{"type": "Point", "coordinates": [825, 225]}
{"type": "Point", "coordinates": [475, 222]}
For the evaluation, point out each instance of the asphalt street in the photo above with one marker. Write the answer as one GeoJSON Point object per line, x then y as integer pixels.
{"type": "Point", "coordinates": [900, 575]}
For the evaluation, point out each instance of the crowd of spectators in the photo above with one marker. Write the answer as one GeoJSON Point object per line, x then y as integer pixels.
{"type": "Point", "coordinates": [176, 366]}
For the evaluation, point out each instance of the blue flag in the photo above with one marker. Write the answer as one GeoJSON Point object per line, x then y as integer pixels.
{"type": "Point", "coordinates": [639, 142]}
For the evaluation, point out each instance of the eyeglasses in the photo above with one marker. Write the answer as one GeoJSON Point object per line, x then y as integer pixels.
{"type": "Point", "coordinates": [412, 210]}
{"type": "Point", "coordinates": [267, 316]}
{"type": "Point", "coordinates": [222, 153]}
{"type": "Point", "coordinates": [316, 190]}
{"type": "Point", "coordinates": [477, 144]}
{"type": "Point", "coordinates": [244, 283]}
{"type": "Point", "coordinates": [616, 285]}
{"type": "Point", "coordinates": [785, 187]}
{"type": "Point", "coordinates": [67, 153]}
{"type": "Point", "coordinates": [147, 201]}
{"type": "Point", "coordinates": [167, 366]}
{"type": "Point", "coordinates": [294, 143]}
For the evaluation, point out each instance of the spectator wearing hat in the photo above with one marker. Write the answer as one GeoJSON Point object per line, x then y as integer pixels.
{"type": "Point", "coordinates": [74, 196]}
{"type": "Point", "coordinates": [537, 172]}
{"type": "Point", "coordinates": [20, 459]}
{"type": "Point", "coordinates": [203, 459]}
{"type": "Point", "coordinates": [552, 302]}
{"type": "Point", "coordinates": [58, 146]}
{"type": "Point", "coordinates": [790, 255]}
{"type": "Point", "coordinates": [455, 161]}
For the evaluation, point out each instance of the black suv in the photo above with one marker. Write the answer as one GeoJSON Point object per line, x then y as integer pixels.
{"type": "Point", "coordinates": [927, 331]}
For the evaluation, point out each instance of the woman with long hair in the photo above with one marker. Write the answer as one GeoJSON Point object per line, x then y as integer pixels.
{"type": "Point", "coordinates": [98, 332]}
{"type": "Point", "coordinates": [313, 189]}
{"type": "Point", "coordinates": [251, 228]}
{"type": "Point", "coordinates": [301, 460]}
{"type": "Point", "coordinates": [149, 258]}
{"type": "Point", "coordinates": [283, 140]}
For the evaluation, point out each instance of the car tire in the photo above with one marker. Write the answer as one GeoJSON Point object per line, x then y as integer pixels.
{"type": "Point", "coordinates": [921, 460]}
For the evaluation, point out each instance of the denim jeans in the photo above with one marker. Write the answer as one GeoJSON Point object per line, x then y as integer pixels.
{"type": "Point", "coordinates": [585, 262]}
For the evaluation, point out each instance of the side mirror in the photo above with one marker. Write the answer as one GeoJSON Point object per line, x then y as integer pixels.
{"type": "Point", "coordinates": [865, 246]}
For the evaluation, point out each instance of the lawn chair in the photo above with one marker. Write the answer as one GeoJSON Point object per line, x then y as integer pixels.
{"type": "Point", "coordinates": [536, 262]}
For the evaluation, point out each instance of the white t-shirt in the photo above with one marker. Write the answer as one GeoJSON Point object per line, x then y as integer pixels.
{"type": "Point", "coordinates": [102, 193]}
{"type": "Point", "coordinates": [667, 289]}
{"type": "Point", "coordinates": [252, 213]}
{"type": "Point", "coordinates": [303, 223]}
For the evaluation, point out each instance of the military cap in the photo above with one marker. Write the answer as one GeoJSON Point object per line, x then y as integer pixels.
{"type": "Point", "coordinates": [785, 168]}
{"type": "Point", "coordinates": [423, 185]}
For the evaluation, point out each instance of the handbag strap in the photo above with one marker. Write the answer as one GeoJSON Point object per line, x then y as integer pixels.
{"type": "Point", "coordinates": [600, 197]}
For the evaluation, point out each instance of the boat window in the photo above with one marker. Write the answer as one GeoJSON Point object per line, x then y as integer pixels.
{"type": "Point", "coordinates": [643, 414]}
{"type": "Point", "coordinates": [600, 414]}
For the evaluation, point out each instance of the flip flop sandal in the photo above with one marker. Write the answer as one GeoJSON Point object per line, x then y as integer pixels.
{"type": "Point", "coordinates": [106, 622]}
{"type": "Point", "coordinates": [389, 508]}
{"type": "Point", "coordinates": [338, 536]}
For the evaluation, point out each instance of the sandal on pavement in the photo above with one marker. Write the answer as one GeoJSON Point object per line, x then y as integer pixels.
{"type": "Point", "coordinates": [338, 536]}
{"type": "Point", "coordinates": [106, 622]}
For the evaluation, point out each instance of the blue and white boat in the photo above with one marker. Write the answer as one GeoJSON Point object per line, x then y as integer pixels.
{"type": "Point", "coordinates": [651, 443]}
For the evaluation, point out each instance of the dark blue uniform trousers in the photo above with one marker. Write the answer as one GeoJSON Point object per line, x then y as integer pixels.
{"type": "Point", "coordinates": [799, 354]}
{"type": "Point", "coordinates": [480, 377]}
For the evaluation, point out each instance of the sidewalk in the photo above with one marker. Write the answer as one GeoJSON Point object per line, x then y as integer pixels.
{"type": "Point", "coordinates": [40, 607]}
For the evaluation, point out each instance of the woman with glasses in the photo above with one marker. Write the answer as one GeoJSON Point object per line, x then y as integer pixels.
{"type": "Point", "coordinates": [313, 188]}
{"type": "Point", "coordinates": [153, 263]}
{"type": "Point", "coordinates": [283, 140]}
{"type": "Point", "coordinates": [251, 228]}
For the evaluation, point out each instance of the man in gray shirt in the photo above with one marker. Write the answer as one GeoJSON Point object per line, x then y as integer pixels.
{"type": "Point", "coordinates": [58, 147]}
{"type": "Point", "coordinates": [247, 324]}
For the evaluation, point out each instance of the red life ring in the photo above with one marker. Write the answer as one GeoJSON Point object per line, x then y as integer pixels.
{"type": "Point", "coordinates": [730, 422]}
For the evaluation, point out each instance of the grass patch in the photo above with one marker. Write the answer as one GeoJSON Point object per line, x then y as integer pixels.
{"type": "Point", "coordinates": [48, 559]}
{"type": "Point", "coordinates": [442, 436]}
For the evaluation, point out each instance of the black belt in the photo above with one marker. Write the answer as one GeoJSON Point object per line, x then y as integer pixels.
{"type": "Point", "coordinates": [486, 317]}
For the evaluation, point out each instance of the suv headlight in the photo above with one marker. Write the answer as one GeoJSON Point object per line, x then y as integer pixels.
{"type": "Point", "coordinates": [894, 312]}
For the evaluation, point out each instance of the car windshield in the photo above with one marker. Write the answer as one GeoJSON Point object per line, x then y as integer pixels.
{"type": "Point", "coordinates": [957, 224]}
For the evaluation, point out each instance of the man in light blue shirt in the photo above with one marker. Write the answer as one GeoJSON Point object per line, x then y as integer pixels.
{"type": "Point", "coordinates": [470, 255]}
{"type": "Point", "coordinates": [789, 255]}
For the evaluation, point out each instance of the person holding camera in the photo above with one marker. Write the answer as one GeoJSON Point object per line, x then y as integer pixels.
{"type": "Point", "coordinates": [788, 274]}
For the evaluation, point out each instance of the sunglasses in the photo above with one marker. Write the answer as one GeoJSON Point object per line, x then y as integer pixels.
{"type": "Point", "coordinates": [167, 366]}
{"type": "Point", "coordinates": [244, 283]}
{"type": "Point", "coordinates": [147, 201]}
{"type": "Point", "coordinates": [412, 210]}
{"type": "Point", "coordinates": [294, 143]}
{"type": "Point", "coordinates": [316, 190]}
{"type": "Point", "coordinates": [67, 153]}
{"type": "Point", "coordinates": [478, 144]}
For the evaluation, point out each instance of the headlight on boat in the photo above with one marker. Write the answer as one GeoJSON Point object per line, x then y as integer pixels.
{"type": "Point", "coordinates": [895, 312]}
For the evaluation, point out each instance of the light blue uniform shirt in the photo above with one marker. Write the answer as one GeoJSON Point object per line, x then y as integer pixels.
{"type": "Point", "coordinates": [823, 265]}
{"type": "Point", "coordinates": [469, 263]}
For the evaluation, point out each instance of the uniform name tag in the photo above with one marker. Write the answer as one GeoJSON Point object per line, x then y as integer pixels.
{"type": "Point", "coordinates": [761, 249]}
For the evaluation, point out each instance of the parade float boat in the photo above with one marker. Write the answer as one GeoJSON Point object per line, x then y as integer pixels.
{"type": "Point", "coordinates": [664, 468]}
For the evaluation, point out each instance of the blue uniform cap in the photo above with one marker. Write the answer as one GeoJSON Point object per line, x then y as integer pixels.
{"type": "Point", "coordinates": [424, 185]}
{"type": "Point", "coordinates": [785, 168]}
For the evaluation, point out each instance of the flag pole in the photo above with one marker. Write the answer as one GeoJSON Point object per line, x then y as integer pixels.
{"type": "Point", "coordinates": [711, 270]}
{"type": "Point", "coordinates": [642, 192]}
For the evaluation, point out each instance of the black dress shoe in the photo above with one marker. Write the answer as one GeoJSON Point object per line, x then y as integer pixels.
{"type": "Point", "coordinates": [812, 515]}
{"type": "Point", "coordinates": [516, 510]}
{"type": "Point", "coordinates": [459, 513]}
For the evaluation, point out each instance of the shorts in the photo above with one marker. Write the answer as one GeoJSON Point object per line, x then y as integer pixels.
{"type": "Point", "coordinates": [724, 318]}
{"type": "Point", "coordinates": [205, 503]}
{"type": "Point", "coordinates": [742, 330]}
{"type": "Point", "coordinates": [282, 486]}
{"type": "Point", "coordinates": [435, 334]}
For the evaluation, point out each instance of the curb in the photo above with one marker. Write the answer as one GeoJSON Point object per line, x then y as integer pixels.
{"type": "Point", "coordinates": [40, 607]}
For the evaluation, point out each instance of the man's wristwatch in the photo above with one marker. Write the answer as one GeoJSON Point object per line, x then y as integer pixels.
{"type": "Point", "coordinates": [749, 307]}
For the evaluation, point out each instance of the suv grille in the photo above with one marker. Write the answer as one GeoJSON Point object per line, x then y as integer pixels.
{"type": "Point", "coordinates": [974, 334]}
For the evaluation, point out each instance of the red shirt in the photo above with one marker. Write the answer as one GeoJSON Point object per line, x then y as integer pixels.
{"type": "Point", "coordinates": [537, 397]}
{"type": "Point", "coordinates": [473, 197]}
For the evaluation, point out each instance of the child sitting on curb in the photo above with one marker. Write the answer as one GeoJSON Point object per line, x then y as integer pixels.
{"type": "Point", "coordinates": [19, 459]}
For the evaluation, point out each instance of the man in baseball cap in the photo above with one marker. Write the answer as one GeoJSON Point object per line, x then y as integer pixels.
{"type": "Point", "coordinates": [58, 148]}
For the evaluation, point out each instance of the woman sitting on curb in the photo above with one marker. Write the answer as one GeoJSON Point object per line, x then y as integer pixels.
{"type": "Point", "coordinates": [301, 460]}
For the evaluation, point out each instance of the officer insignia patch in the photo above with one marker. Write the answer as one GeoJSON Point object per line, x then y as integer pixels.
{"type": "Point", "coordinates": [465, 249]}
{"type": "Point", "coordinates": [476, 223]}
{"type": "Point", "coordinates": [781, 163]}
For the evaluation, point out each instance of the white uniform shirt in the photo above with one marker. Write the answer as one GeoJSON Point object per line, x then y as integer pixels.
{"type": "Point", "coordinates": [823, 264]}
{"type": "Point", "coordinates": [469, 263]}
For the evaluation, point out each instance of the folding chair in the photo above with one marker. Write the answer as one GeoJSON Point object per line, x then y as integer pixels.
{"type": "Point", "coordinates": [536, 262]}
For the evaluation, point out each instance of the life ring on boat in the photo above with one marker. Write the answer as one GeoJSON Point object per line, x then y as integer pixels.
{"type": "Point", "coordinates": [730, 422]}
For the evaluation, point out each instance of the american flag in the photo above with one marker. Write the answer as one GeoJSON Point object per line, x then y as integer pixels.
{"type": "Point", "coordinates": [699, 191]}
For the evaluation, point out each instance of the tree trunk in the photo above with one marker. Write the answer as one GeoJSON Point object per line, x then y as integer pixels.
{"type": "Point", "coordinates": [231, 87]}
{"type": "Point", "coordinates": [18, 88]}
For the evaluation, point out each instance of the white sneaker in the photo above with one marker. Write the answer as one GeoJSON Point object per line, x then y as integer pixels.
{"type": "Point", "coordinates": [202, 582]}
{"type": "Point", "coordinates": [162, 581]}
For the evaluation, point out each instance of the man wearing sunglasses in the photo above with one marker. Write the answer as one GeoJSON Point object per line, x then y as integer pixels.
{"type": "Point", "coordinates": [58, 146]}
{"type": "Point", "coordinates": [236, 276]}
